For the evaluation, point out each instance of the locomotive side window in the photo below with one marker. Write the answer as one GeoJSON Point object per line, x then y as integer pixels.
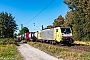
{"type": "Point", "coordinates": [56, 30]}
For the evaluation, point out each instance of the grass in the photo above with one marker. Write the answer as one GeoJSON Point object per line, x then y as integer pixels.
{"type": "Point", "coordinates": [4, 41]}
{"type": "Point", "coordinates": [60, 52]}
{"type": "Point", "coordinates": [8, 50]}
{"type": "Point", "coordinates": [82, 42]}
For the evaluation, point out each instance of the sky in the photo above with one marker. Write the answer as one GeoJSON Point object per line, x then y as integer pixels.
{"type": "Point", "coordinates": [34, 13]}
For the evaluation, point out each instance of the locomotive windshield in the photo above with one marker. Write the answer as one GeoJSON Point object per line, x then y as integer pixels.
{"type": "Point", "coordinates": [65, 30]}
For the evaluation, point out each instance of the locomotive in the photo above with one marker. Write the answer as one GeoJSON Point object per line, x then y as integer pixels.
{"type": "Point", "coordinates": [55, 35]}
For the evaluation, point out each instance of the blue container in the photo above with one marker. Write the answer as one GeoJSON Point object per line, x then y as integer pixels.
{"type": "Point", "coordinates": [22, 36]}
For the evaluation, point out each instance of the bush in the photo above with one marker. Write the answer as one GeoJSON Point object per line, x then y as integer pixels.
{"type": "Point", "coordinates": [5, 41]}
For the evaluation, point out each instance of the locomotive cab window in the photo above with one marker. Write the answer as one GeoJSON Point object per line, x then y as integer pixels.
{"type": "Point", "coordinates": [65, 30]}
{"type": "Point", "coordinates": [56, 30]}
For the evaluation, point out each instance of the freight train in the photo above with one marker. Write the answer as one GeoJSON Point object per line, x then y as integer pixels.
{"type": "Point", "coordinates": [53, 35]}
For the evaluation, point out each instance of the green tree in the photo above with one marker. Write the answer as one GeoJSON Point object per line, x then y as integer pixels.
{"type": "Point", "coordinates": [79, 18]}
{"type": "Point", "coordinates": [7, 25]}
{"type": "Point", "coordinates": [23, 30]}
{"type": "Point", "coordinates": [59, 21]}
{"type": "Point", "coordinates": [15, 34]}
{"type": "Point", "coordinates": [49, 26]}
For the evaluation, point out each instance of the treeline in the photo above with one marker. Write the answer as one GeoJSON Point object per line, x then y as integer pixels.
{"type": "Point", "coordinates": [59, 21]}
{"type": "Point", "coordinates": [7, 25]}
{"type": "Point", "coordinates": [78, 18]}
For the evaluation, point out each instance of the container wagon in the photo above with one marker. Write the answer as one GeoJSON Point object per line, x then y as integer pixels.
{"type": "Point", "coordinates": [29, 36]}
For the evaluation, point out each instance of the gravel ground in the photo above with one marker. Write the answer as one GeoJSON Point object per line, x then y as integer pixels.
{"type": "Point", "coordinates": [30, 53]}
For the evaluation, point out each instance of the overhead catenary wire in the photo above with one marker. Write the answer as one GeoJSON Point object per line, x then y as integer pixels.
{"type": "Point", "coordinates": [39, 12]}
{"type": "Point", "coordinates": [39, 25]}
{"type": "Point", "coordinates": [46, 20]}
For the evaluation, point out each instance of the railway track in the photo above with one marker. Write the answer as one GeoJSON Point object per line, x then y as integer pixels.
{"type": "Point", "coordinates": [81, 48]}
{"type": "Point", "coordinates": [76, 47]}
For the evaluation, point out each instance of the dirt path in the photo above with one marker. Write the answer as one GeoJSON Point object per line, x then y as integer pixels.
{"type": "Point", "coordinates": [31, 53]}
